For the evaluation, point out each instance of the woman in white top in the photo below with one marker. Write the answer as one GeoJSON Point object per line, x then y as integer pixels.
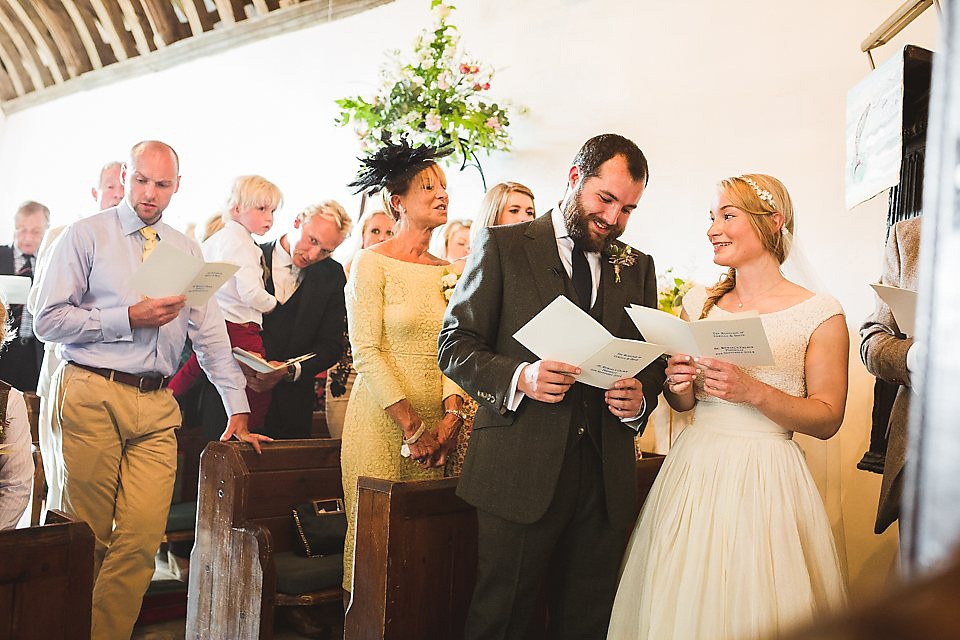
{"type": "Point", "coordinates": [16, 458]}
{"type": "Point", "coordinates": [733, 541]}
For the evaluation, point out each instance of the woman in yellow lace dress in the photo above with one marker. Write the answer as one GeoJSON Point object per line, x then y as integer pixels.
{"type": "Point", "coordinates": [403, 415]}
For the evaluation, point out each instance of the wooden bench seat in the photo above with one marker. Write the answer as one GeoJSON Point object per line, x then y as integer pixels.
{"type": "Point", "coordinates": [242, 565]}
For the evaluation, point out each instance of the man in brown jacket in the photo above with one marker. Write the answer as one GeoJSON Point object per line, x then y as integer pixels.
{"type": "Point", "coordinates": [892, 356]}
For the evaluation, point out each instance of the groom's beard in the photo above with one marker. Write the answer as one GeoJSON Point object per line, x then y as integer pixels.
{"type": "Point", "coordinates": [578, 220]}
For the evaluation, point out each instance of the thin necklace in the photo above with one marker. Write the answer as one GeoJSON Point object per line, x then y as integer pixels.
{"type": "Point", "coordinates": [740, 300]}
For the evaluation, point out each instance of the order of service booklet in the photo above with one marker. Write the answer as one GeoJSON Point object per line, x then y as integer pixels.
{"type": "Point", "coordinates": [738, 339]}
{"type": "Point", "coordinates": [168, 271]}
{"type": "Point", "coordinates": [902, 303]}
{"type": "Point", "coordinates": [260, 365]}
{"type": "Point", "coordinates": [14, 289]}
{"type": "Point", "coordinates": [564, 332]}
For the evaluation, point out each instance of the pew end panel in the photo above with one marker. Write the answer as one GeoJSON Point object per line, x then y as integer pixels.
{"type": "Point", "coordinates": [243, 520]}
{"type": "Point", "coordinates": [52, 563]}
{"type": "Point", "coordinates": [416, 550]}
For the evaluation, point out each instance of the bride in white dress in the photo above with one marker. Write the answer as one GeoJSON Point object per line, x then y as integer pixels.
{"type": "Point", "coordinates": [733, 541]}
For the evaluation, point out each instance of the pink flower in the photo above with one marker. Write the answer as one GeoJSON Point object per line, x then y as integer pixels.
{"type": "Point", "coordinates": [477, 87]}
{"type": "Point", "coordinates": [494, 123]}
{"type": "Point", "coordinates": [486, 85]}
{"type": "Point", "coordinates": [433, 122]}
{"type": "Point", "coordinates": [464, 68]}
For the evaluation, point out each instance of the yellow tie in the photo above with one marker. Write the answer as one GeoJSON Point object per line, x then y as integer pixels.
{"type": "Point", "coordinates": [149, 240]}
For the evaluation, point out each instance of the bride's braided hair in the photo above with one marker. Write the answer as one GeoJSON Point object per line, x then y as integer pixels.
{"type": "Point", "coordinates": [759, 195]}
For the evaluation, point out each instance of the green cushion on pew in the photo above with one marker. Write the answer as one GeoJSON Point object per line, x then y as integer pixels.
{"type": "Point", "coordinates": [183, 516]}
{"type": "Point", "coordinates": [297, 574]}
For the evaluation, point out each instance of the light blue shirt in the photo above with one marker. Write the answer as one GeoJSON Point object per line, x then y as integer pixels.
{"type": "Point", "coordinates": [84, 297]}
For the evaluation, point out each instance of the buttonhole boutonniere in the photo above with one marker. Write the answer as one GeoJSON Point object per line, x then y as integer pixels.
{"type": "Point", "coordinates": [621, 256]}
{"type": "Point", "coordinates": [448, 282]}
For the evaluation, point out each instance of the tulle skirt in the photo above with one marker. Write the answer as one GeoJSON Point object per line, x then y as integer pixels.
{"type": "Point", "coordinates": [733, 541]}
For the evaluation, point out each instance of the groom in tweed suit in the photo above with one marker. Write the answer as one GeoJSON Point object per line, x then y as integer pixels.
{"type": "Point", "coordinates": [551, 464]}
{"type": "Point", "coordinates": [892, 356]}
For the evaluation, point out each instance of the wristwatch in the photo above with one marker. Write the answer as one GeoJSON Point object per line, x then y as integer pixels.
{"type": "Point", "coordinates": [291, 372]}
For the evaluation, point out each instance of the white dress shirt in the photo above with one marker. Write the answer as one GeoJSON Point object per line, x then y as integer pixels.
{"type": "Point", "coordinates": [243, 297]}
{"type": "Point", "coordinates": [286, 275]}
{"type": "Point", "coordinates": [286, 278]}
{"type": "Point", "coordinates": [565, 249]}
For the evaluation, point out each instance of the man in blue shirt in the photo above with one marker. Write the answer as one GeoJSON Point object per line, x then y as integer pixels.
{"type": "Point", "coordinates": [116, 417]}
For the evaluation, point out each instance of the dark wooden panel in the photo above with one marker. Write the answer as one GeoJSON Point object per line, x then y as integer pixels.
{"type": "Point", "coordinates": [46, 581]}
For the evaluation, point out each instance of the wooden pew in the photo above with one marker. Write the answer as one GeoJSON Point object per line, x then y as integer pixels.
{"type": "Point", "coordinates": [39, 492]}
{"type": "Point", "coordinates": [398, 567]}
{"type": "Point", "coordinates": [46, 580]}
{"type": "Point", "coordinates": [244, 524]}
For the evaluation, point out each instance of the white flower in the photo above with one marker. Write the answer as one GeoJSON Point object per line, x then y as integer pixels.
{"type": "Point", "coordinates": [449, 280]}
{"type": "Point", "coordinates": [433, 122]}
{"type": "Point", "coordinates": [417, 80]}
{"type": "Point", "coordinates": [444, 80]}
{"type": "Point", "coordinates": [448, 294]}
{"type": "Point", "coordinates": [441, 11]}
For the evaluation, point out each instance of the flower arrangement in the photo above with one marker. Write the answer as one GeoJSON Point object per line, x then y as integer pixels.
{"type": "Point", "coordinates": [670, 292]}
{"type": "Point", "coordinates": [448, 282]}
{"type": "Point", "coordinates": [439, 97]}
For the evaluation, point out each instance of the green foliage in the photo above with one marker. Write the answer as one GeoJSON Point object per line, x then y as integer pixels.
{"type": "Point", "coordinates": [670, 292]}
{"type": "Point", "coordinates": [438, 97]}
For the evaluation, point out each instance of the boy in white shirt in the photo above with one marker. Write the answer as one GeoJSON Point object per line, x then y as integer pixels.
{"type": "Point", "coordinates": [243, 298]}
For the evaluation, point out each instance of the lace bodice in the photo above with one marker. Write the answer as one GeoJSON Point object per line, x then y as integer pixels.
{"type": "Point", "coordinates": [788, 332]}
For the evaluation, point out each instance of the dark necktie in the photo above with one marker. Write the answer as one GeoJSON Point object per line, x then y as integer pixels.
{"type": "Point", "coordinates": [26, 320]}
{"type": "Point", "coordinates": [582, 280]}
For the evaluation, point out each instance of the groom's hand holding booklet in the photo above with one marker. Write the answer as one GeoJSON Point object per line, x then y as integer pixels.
{"type": "Point", "coordinates": [563, 332]}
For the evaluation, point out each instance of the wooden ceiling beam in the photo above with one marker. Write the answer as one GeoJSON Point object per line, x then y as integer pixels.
{"type": "Point", "coordinates": [164, 20]}
{"type": "Point", "coordinates": [197, 16]}
{"type": "Point", "coordinates": [229, 11]}
{"type": "Point", "coordinates": [38, 72]}
{"type": "Point", "coordinates": [90, 21]}
{"type": "Point", "coordinates": [81, 29]}
{"type": "Point", "coordinates": [11, 61]}
{"type": "Point", "coordinates": [139, 25]}
{"type": "Point", "coordinates": [65, 37]}
{"type": "Point", "coordinates": [6, 87]}
{"type": "Point", "coordinates": [111, 19]}
{"type": "Point", "coordinates": [27, 14]}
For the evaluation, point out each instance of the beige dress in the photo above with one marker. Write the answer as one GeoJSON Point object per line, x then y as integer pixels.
{"type": "Point", "coordinates": [394, 313]}
{"type": "Point", "coordinates": [733, 542]}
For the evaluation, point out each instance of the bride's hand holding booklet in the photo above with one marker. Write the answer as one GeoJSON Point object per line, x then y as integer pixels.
{"type": "Point", "coordinates": [564, 332]}
{"type": "Point", "coordinates": [737, 338]}
{"type": "Point", "coordinates": [260, 365]}
{"type": "Point", "coordinates": [168, 271]}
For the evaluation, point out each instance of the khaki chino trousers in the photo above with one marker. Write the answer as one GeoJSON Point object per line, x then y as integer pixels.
{"type": "Point", "coordinates": [119, 459]}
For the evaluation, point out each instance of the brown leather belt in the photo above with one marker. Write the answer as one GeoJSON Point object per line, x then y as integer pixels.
{"type": "Point", "coordinates": [142, 383]}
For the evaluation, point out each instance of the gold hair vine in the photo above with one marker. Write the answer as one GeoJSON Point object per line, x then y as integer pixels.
{"type": "Point", "coordinates": [763, 194]}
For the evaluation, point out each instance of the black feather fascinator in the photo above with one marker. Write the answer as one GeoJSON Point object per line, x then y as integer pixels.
{"type": "Point", "coordinates": [393, 165]}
